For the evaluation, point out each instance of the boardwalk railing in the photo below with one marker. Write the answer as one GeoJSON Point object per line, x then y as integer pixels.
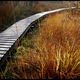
{"type": "Point", "coordinates": [9, 37]}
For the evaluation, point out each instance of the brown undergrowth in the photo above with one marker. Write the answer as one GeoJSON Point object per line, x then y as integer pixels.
{"type": "Point", "coordinates": [53, 52]}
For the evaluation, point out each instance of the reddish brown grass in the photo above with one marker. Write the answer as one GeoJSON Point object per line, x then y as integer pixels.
{"type": "Point", "coordinates": [56, 52]}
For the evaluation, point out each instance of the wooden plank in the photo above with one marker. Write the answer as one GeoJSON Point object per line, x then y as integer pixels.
{"type": "Point", "coordinates": [1, 41]}
{"type": "Point", "coordinates": [7, 39]}
{"type": "Point", "coordinates": [3, 52]}
{"type": "Point", "coordinates": [6, 43]}
{"type": "Point", "coordinates": [1, 56]}
{"type": "Point", "coordinates": [4, 49]}
{"type": "Point", "coordinates": [5, 46]}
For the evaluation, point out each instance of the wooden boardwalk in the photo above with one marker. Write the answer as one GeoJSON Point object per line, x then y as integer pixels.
{"type": "Point", "coordinates": [11, 34]}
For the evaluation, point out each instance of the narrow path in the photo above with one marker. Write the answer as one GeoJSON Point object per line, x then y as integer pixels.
{"type": "Point", "coordinates": [11, 34]}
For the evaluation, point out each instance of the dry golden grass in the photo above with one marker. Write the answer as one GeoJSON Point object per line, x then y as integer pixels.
{"type": "Point", "coordinates": [55, 52]}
